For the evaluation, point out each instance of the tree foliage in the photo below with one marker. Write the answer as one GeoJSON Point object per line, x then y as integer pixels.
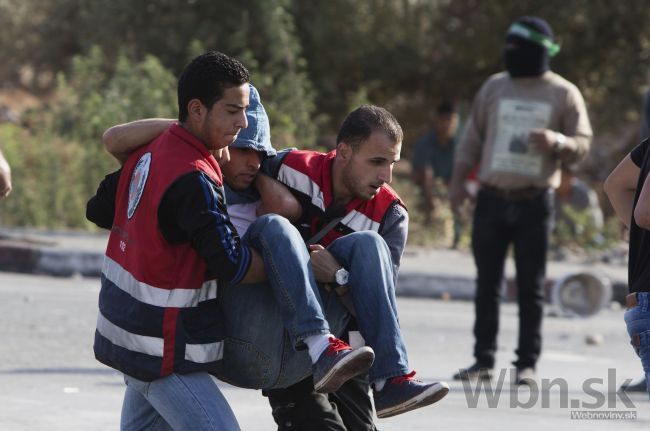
{"type": "Point", "coordinates": [57, 160]}
{"type": "Point", "coordinates": [110, 61]}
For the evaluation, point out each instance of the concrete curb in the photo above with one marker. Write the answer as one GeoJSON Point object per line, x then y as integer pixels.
{"type": "Point", "coordinates": [427, 285]}
{"type": "Point", "coordinates": [25, 258]}
{"type": "Point", "coordinates": [424, 273]}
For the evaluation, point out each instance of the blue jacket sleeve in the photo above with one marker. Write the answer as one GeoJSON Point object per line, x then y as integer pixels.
{"type": "Point", "coordinates": [394, 230]}
{"type": "Point", "coordinates": [194, 209]}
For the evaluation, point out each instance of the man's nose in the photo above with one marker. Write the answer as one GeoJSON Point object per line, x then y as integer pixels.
{"type": "Point", "coordinates": [242, 121]}
{"type": "Point", "coordinates": [386, 174]}
{"type": "Point", "coordinates": [252, 159]}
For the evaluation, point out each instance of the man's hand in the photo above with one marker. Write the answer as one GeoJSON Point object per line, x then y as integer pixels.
{"type": "Point", "coordinates": [457, 195]}
{"type": "Point", "coordinates": [323, 264]}
{"type": "Point", "coordinates": [5, 177]}
{"type": "Point", "coordinates": [5, 187]}
{"type": "Point", "coordinates": [542, 140]}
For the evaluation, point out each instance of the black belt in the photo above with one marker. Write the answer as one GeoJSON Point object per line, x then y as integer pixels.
{"type": "Point", "coordinates": [526, 193]}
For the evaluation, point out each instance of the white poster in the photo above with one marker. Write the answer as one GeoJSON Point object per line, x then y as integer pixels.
{"type": "Point", "coordinates": [512, 151]}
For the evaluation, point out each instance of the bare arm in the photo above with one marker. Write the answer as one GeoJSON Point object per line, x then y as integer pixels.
{"type": "Point", "coordinates": [276, 199]}
{"type": "Point", "coordinates": [123, 139]}
{"type": "Point", "coordinates": [457, 191]}
{"type": "Point", "coordinates": [620, 187]}
{"type": "Point", "coordinates": [423, 178]}
{"type": "Point", "coordinates": [642, 208]}
{"type": "Point", "coordinates": [5, 177]}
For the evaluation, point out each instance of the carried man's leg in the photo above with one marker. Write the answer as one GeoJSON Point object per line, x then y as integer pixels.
{"type": "Point", "coordinates": [258, 354]}
{"type": "Point", "coordinates": [372, 290]}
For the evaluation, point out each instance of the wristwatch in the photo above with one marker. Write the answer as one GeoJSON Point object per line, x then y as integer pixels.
{"type": "Point", "coordinates": [341, 276]}
{"type": "Point", "coordinates": [560, 141]}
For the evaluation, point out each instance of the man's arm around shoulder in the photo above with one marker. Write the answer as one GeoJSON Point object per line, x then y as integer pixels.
{"type": "Point", "coordinates": [124, 139]}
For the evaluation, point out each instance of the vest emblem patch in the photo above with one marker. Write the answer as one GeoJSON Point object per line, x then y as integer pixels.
{"type": "Point", "coordinates": [138, 181]}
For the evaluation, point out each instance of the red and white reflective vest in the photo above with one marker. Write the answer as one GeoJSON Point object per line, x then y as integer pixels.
{"type": "Point", "coordinates": [310, 174]}
{"type": "Point", "coordinates": [158, 312]}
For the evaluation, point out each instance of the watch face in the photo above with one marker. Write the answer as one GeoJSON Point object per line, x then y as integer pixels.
{"type": "Point", "coordinates": [341, 276]}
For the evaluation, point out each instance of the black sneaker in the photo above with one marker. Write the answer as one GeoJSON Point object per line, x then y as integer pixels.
{"type": "Point", "coordinates": [475, 371]}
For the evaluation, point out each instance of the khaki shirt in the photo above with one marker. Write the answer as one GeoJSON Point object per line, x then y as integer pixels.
{"type": "Point", "coordinates": [505, 111]}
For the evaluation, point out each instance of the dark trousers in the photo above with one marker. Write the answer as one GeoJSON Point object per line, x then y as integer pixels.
{"type": "Point", "coordinates": [526, 223]}
{"type": "Point", "coordinates": [300, 408]}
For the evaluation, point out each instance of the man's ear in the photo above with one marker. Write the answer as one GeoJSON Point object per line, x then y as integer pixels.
{"type": "Point", "coordinates": [195, 109]}
{"type": "Point", "coordinates": [343, 150]}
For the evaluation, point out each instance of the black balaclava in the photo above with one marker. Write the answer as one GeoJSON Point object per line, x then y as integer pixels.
{"type": "Point", "coordinates": [529, 56]}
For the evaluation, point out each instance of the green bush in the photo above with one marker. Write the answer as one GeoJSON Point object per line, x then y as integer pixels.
{"type": "Point", "coordinates": [58, 161]}
{"type": "Point", "coordinates": [46, 188]}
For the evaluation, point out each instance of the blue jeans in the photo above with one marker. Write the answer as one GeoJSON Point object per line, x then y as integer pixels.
{"type": "Point", "coordinates": [193, 401]}
{"type": "Point", "coordinates": [177, 402]}
{"type": "Point", "coordinates": [260, 342]}
{"type": "Point", "coordinates": [637, 320]}
{"type": "Point", "coordinates": [267, 322]}
{"type": "Point", "coordinates": [372, 289]}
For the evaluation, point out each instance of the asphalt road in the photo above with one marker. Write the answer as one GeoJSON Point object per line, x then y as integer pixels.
{"type": "Point", "coordinates": [49, 379]}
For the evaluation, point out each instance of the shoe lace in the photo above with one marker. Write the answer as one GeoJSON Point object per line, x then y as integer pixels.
{"type": "Point", "coordinates": [406, 377]}
{"type": "Point", "coordinates": [336, 345]}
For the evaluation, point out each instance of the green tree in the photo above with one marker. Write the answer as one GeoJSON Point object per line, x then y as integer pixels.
{"type": "Point", "coordinates": [59, 162]}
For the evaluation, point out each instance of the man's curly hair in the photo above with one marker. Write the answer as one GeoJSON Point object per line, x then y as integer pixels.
{"type": "Point", "coordinates": [206, 78]}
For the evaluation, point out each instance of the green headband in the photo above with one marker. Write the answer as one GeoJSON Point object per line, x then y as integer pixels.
{"type": "Point", "coordinates": [520, 30]}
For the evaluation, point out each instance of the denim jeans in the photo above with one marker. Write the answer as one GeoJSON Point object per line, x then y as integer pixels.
{"type": "Point", "coordinates": [372, 289]}
{"type": "Point", "coordinates": [187, 402]}
{"type": "Point", "coordinates": [266, 322]}
{"type": "Point", "coordinates": [525, 223]}
{"type": "Point", "coordinates": [637, 320]}
{"type": "Point", "coordinates": [258, 352]}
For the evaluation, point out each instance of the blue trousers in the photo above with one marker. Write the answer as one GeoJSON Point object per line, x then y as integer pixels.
{"type": "Point", "coordinates": [178, 402]}
{"type": "Point", "coordinates": [637, 320]}
{"type": "Point", "coordinates": [260, 345]}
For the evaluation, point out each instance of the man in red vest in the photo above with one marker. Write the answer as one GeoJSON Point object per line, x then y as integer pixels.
{"type": "Point", "coordinates": [347, 207]}
{"type": "Point", "coordinates": [159, 321]}
{"type": "Point", "coordinates": [357, 226]}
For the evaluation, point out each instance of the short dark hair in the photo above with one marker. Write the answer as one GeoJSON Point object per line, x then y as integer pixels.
{"type": "Point", "coordinates": [360, 123]}
{"type": "Point", "coordinates": [446, 108]}
{"type": "Point", "coordinates": [206, 78]}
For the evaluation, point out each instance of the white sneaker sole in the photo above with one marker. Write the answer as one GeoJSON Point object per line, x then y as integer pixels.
{"type": "Point", "coordinates": [433, 394]}
{"type": "Point", "coordinates": [355, 363]}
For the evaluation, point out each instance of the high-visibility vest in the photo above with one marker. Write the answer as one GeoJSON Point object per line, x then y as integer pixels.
{"type": "Point", "coordinates": [309, 174]}
{"type": "Point", "coordinates": [158, 310]}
